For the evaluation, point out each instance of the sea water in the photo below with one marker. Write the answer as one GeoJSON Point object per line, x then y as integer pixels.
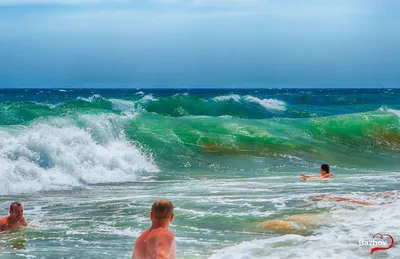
{"type": "Point", "coordinates": [87, 164]}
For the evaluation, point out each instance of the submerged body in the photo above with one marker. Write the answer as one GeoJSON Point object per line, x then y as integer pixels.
{"type": "Point", "coordinates": [324, 171]}
{"type": "Point", "coordinates": [15, 219]}
{"type": "Point", "coordinates": [293, 223]}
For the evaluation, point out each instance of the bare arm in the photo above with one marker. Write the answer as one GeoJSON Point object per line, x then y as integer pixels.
{"type": "Point", "coordinates": [138, 247]}
{"type": "Point", "coordinates": [303, 176]}
{"type": "Point", "coordinates": [135, 252]}
{"type": "Point", "coordinates": [23, 222]}
{"type": "Point", "coordinates": [328, 176]}
{"type": "Point", "coordinates": [166, 246]}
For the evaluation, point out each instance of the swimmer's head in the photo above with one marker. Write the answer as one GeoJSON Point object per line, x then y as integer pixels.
{"type": "Point", "coordinates": [324, 169]}
{"type": "Point", "coordinates": [162, 210]}
{"type": "Point", "coordinates": [16, 210]}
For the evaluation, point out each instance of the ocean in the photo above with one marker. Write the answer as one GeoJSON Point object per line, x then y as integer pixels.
{"type": "Point", "coordinates": [87, 164]}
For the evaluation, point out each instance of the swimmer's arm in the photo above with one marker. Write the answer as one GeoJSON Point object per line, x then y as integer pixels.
{"type": "Point", "coordinates": [135, 253]}
{"type": "Point", "coordinates": [3, 228]}
{"type": "Point", "coordinates": [23, 222]}
{"type": "Point", "coordinates": [303, 176]}
{"type": "Point", "coordinates": [166, 246]}
{"type": "Point", "coordinates": [328, 176]}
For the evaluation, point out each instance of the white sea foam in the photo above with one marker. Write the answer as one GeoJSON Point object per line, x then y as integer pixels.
{"type": "Point", "coordinates": [90, 99]}
{"type": "Point", "coordinates": [387, 109]}
{"type": "Point", "coordinates": [180, 94]}
{"type": "Point", "coordinates": [397, 112]}
{"type": "Point", "coordinates": [59, 155]}
{"type": "Point", "coordinates": [234, 97]}
{"type": "Point", "coordinates": [124, 105]}
{"type": "Point", "coordinates": [338, 239]}
{"type": "Point", "coordinates": [270, 104]}
{"type": "Point", "coordinates": [148, 98]}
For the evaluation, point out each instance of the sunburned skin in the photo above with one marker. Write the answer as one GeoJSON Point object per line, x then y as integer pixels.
{"type": "Point", "coordinates": [293, 223]}
{"type": "Point", "coordinates": [324, 174]}
{"type": "Point", "coordinates": [390, 196]}
{"type": "Point", "coordinates": [330, 197]}
{"type": "Point", "coordinates": [15, 220]}
{"type": "Point", "coordinates": [157, 242]}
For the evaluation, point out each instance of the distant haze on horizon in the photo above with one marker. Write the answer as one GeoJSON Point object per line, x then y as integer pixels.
{"type": "Point", "coordinates": [199, 43]}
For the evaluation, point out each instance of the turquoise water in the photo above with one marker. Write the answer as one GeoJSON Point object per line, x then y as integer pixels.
{"type": "Point", "coordinates": [88, 164]}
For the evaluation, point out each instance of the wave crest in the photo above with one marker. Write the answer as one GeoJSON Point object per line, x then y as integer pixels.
{"type": "Point", "coordinates": [60, 156]}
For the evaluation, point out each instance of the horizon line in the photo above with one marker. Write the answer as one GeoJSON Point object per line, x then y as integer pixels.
{"type": "Point", "coordinates": [191, 88]}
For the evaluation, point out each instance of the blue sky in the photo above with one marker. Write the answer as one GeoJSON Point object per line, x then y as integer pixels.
{"type": "Point", "coordinates": [199, 43]}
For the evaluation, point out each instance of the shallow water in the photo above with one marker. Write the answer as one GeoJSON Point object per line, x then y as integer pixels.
{"type": "Point", "coordinates": [215, 218]}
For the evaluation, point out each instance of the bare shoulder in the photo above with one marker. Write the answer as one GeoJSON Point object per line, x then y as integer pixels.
{"type": "Point", "coordinates": [162, 232]}
{"type": "Point", "coordinates": [330, 175]}
{"type": "Point", "coordinates": [143, 236]}
{"type": "Point", "coordinates": [3, 224]}
{"type": "Point", "coordinates": [162, 236]}
{"type": "Point", "coordinates": [3, 220]}
{"type": "Point", "coordinates": [169, 235]}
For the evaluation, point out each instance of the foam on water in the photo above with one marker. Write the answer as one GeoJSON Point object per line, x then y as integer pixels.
{"type": "Point", "coordinates": [338, 238]}
{"type": "Point", "coordinates": [397, 112]}
{"type": "Point", "coordinates": [230, 162]}
{"type": "Point", "coordinates": [124, 105]}
{"type": "Point", "coordinates": [59, 155]}
{"type": "Point", "coordinates": [269, 104]}
{"type": "Point", "coordinates": [148, 98]}
{"type": "Point", "coordinates": [91, 99]}
{"type": "Point", "coordinates": [234, 97]}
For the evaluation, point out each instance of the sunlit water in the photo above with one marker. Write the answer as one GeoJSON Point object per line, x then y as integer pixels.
{"type": "Point", "coordinates": [88, 171]}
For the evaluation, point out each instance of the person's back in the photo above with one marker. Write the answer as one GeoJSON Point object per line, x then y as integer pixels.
{"type": "Point", "coordinates": [157, 242]}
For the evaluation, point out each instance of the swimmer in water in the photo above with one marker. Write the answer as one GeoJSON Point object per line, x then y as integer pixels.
{"type": "Point", "coordinates": [296, 223]}
{"type": "Point", "coordinates": [15, 219]}
{"type": "Point", "coordinates": [389, 196]}
{"type": "Point", "coordinates": [330, 197]}
{"type": "Point", "coordinates": [157, 241]}
{"type": "Point", "coordinates": [324, 171]}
